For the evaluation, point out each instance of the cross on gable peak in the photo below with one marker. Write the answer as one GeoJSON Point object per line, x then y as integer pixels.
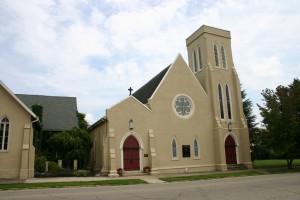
{"type": "Point", "coordinates": [130, 90]}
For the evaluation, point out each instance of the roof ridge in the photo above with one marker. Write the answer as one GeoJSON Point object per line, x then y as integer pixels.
{"type": "Point", "coordinates": [146, 91]}
{"type": "Point", "coordinates": [41, 95]}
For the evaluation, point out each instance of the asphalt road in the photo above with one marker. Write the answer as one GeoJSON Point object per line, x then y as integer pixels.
{"type": "Point", "coordinates": [267, 187]}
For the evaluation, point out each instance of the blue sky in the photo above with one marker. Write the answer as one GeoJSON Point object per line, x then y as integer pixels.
{"type": "Point", "coordinates": [95, 50]}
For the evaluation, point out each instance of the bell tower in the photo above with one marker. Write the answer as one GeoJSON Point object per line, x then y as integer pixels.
{"type": "Point", "coordinates": [210, 59]}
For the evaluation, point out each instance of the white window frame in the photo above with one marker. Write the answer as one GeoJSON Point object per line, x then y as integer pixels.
{"type": "Point", "coordinates": [3, 133]}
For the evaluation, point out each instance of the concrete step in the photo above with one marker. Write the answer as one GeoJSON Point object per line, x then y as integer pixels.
{"type": "Point", "coordinates": [133, 173]}
{"type": "Point", "coordinates": [236, 167]}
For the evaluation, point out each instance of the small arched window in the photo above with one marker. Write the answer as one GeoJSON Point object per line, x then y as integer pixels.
{"type": "Point", "coordinates": [174, 149]}
{"type": "Point", "coordinates": [196, 148]}
{"type": "Point", "coordinates": [199, 58]}
{"type": "Point", "coordinates": [228, 102]}
{"type": "Point", "coordinates": [195, 61]}
{"type": "Point", "coordinates": [223, 57]}
{"type": "Point", "coordinates": [216, 55]}
{"type": "Point", "coordinates": [221, 101]}
{"type": "Point", "coordinates": [4, 131]}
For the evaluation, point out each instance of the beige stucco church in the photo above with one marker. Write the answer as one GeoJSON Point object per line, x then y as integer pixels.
{"type": "Point", "coordinates": [188, 118]}
{"type": "Point", "coordinates": [16, 134]}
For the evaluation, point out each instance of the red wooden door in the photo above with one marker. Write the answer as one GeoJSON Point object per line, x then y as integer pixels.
{"type": "Point", "coordinates": [230, 150]}
{"type": "Point", "coordinates": [131, 157]}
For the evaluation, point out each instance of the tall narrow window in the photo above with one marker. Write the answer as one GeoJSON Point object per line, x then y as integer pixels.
{"type": "Point", "coordinates": [223, 57]}
{"type": "Point", "coordinates": [199, 57]}
{"type": "Point", "coordinates": [196, 148]}
{"type": "Point", "coordinates": [174, 149]}
{"type": "Point", "coordinates": [195, 61]}
{"type": "Point", "coordinates": [4, 130]}
{"type": "Point", "coordinates": [228, 102]}
{"type": "Point", "coordinates": [216, 55]}
{"type": "Point", "coordinates": [221, 101]}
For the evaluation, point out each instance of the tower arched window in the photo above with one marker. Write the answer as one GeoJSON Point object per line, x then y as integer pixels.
{"type": "Point", "coordinates": [174, 149]}
{"type": "Point", "coordinates": [221, 101]}
{"type": "Point", "coordinates": [4, 131]}
{"type": "Point", "coordinates": [195, 61]}
{"type": "Point", "coordinates": [216, 55]}
{"type": "Point", "coordinates": [196, 148]}
{"type": "Point", "coordinates": [223, 57]}
{"type": "Point", "coordinates": [199, 58]}
{"type": "Point", "coordinates": [228, 102]}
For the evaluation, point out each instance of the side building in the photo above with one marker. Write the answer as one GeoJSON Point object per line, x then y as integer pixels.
{"type": "Point", "coordinates": [16, 136]}
{"type": "Point", "coordinates": [59, 113]}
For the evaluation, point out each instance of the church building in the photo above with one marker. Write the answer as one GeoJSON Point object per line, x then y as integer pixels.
{"type": "Point", "coordinates": [188, 118]}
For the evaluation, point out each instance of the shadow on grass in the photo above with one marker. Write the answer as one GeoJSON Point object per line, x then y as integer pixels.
{"type": "Point", "coordinates": [19, 186]}
{"type": "Point", "coordinates": [211, 176]}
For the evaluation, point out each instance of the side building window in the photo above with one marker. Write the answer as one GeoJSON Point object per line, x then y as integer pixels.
{"type": "Point", "coordinates": [216, 55]}
{"type": "Point", "coordinates": [221, 101]}
{"type": "Point", "coordinates": [199, 58]}
{"type": "Point", "coordinates": [195, 61]}
{"type": "Point", "coordinates": [223, 57]}
{"type": "Point", "coordinates": [196, 148]}
{"type": "Point", "coordinates": [228, 102]}
{"type": "Point", "coordinates": [4, 131]}
{"type": "Point", "coordinates": [174, 149]}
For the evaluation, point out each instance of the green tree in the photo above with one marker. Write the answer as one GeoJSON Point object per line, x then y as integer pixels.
{"type": "Point", "coordinates": [82, 123]}
{"type": "Point", "coordinates": [73, 144]}
{"type": "Point", "coordinates": [281, 116]}
{"type": "Point", "coordinates": [38, 128]}
{"type": "Point", "coordinates": [252, 125]}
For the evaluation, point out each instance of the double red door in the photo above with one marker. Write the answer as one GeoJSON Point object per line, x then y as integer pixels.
{"type": "Point", "coordinates": [131, 157]}
{"type": "Point", "coordinates": [230, 151]}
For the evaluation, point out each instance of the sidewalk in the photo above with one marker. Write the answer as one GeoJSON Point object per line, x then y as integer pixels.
{"type": "Point", "coordinates": [147, 178]}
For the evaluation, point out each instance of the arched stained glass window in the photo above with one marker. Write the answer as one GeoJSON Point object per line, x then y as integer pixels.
{"type": "Point", "coordinates": [223, 57]}
{"type": "Point", "coordinates": [196, 148]}
{"type": "Point", "coordinates": [4, 131]}
{"type": "Point", "coordinates": [216, 55]}
{"type": "Point", "coordinates": [199, 57]}
{"type": "Point", "coordinates": [228, 102]}
{"type": "Point", "coordinates": [221, 101]}
{"type": "Point", "coordinates": [174, 149]}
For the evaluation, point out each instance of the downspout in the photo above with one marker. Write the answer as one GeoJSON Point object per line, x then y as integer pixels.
{"type": "Point", "coordinates": [35, 120]}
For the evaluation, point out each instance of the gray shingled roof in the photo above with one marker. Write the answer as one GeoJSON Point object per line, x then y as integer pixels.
{"type": "Point", "coordinates": [146, 91]}
{"type": "Point", "coordinates": [59, 113]}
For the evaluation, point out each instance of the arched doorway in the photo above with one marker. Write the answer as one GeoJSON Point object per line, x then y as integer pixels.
{"type": "Point", "coordinates": [230, 150]}
{"type": "Point", "coordinates": [131, 151]}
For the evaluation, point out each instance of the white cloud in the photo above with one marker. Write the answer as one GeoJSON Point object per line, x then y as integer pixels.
{"type": "Point", "coordinates": [95, 51]}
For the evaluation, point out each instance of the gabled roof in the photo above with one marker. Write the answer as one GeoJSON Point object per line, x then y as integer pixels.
{"type": "Point", "coordinates": [18, 100]}
{"type": "Point", "coordinates": [146, 91]}
{"type": "Point", "coordinates": [59, 113]}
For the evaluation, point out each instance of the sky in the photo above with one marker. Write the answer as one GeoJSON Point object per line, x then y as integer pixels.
{"type": "Point", "coordinates": [96, 49]}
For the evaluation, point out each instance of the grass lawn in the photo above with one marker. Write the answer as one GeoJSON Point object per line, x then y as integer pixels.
{"type": "Point", "coordinates": [261, 164]}
{"type": "Point", "coordinates": [211, 176]}
{"type": "Point", "coordinates": [19, 186]}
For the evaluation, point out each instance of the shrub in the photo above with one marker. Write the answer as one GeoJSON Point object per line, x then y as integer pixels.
{"type": "Point", "coordinates": [53, 168]}
{"type": "Point", "coordinates": [40, 164]}
{"type": "Point", "coordinates": [120, 171]}
{"type": "Point", "coordinates": [65, 172]}
{"type": "Point", "coordinates": [82, 173]}
{"type": "Point", "coordinates": [147, 169]}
